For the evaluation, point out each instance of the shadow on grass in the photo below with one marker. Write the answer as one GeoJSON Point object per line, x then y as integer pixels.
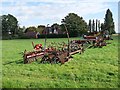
{"type": "Point", "coordinates": [19, 61]}
{"type": "Point", "coordinates": [16, 62]}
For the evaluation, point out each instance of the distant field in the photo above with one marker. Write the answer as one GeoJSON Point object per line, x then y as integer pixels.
{"type": "Point", "coordinates": [95, 68]}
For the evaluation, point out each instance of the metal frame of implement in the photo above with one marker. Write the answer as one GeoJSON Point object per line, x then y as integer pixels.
{"type": "Point", "coordinates": [54, 55]}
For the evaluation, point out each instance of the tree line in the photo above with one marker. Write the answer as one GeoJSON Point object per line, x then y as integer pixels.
{"type": "Point", "coordinates": [75, 24]}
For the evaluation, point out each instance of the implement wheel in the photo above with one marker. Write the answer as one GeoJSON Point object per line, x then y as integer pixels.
{"type": "Point", "coordinates": [55, 60]}
{"type": "Point", "coordinates": [45, 59]}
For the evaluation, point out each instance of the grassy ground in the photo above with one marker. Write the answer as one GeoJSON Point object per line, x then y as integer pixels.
{"type": "Point", "coordinates": [95, 68]}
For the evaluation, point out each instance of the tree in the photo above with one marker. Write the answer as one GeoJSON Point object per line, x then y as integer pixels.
{"type": "Point", "coordinates": [90, 25]}
{"type": "Point", "coordinates": [9, 24]}
{"type": "Point", "coordinates": [31, 29]}
{"type": "Point", "coordinates": [62, 28]}
{"type": "Point", "coordinates": [21, 30]}
{"type": "Point", "coordinates": [96, 24]}
{"type": "Point", "coordinates": [93, 26]}
{"type": "Point", "coordinates": [109, 24]}
{"type": "Point", "coordinates": [102, 26]}
{"type": "Point", "coordinates": [55, 26]}
{"type": "Point", "coordinates": [99, 26]}
{"type": "Point", "coordinates": [75, 24]}
{"type": "Point", "coordinates": [0, 27]}
{"type": "Point", "coordinates": [40, 28]}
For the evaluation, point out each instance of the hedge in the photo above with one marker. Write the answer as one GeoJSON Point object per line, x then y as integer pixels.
{"type": "Point", "coordinates": [48, 36]}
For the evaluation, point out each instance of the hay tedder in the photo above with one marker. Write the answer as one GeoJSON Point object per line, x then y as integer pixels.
{"type": "Point", "coordinates": [98, 39]}
{"type": "Point", "coordinates": [62, 52]}
{"type": "Point", "coordinates": [58, 54]}
{"type": "Point", "coordinates": [54, 53]}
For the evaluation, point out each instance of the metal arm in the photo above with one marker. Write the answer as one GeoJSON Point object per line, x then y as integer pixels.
{"type": "Point", "coordinates": [68, 40]}
{"type": "Point", "coordinates": [45, 36]}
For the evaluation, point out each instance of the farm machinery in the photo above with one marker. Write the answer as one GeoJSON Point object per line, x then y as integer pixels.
{"type": "Point", "coordinates": [54, 53]}
{"type": "Point", "coordinates": [62, 52]}
{"type": "Point", "coordinates": [98, 39]}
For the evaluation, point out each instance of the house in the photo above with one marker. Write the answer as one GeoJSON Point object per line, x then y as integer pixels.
{"type": "Point", "coordinates": [51, 30]}
{"type": "Point", "coordinates": [33, 32]}
{"type": "Point", "coordinates": [30, 34]}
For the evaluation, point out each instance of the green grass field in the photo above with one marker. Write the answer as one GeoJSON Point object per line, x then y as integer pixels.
{"type": "Point", "coordinates": [95, 68]}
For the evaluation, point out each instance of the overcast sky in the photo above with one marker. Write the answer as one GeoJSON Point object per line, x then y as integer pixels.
{"type": "Point", "coordinates": [43, 12]}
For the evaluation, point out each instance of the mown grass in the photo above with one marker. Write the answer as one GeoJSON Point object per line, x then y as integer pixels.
{"type": "Point", "coordinates": [95, 68]}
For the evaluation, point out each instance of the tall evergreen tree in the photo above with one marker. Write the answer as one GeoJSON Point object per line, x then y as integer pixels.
{"type": "Point", "coordinates": [93, 26]}
{"type": "Point", "coordinates": [102, 26]}
{"type": "Point", "coordinates": [109, 24]}
{"type": "Point", "coordinates": [96, 24]}
{"type": "Point", "coordinates": [90, 25]}
{"type": "Point", "coordinates": [99, 27]}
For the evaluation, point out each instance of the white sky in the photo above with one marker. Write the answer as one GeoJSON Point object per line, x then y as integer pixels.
{"type": "Point", "coordinates": [37, 12]}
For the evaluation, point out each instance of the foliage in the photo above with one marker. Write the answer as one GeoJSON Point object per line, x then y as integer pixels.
{"type": "Point", "coordinates": [90, 25]}
{"type": "Point", "coordinates": [55, 26]}
{"type": "Point", "coordinates": [99, 25]}
{"type": "Point", "coordinates": [75, 24]}
{"type": "Point", "coordinates": [9, 24]}
{"type": "Point", "coordinates": [93, 25]}
{"type": "Point", "coordinates": [96, 25]}
{"type": "Point", "coordinates": [109, 24]}
{"type": "Point", "coordinates": [43, 36]}
{"type": "Point", "coordinates": [95, 68]}
{"type": "Point", "coordinates": [62, 27]}
{"type": "Point", "coordinates": [102, 26]}
{"type": "Point", "coordinates": [31, 29]}
{"type": "Point", "coordinates": [40, 29]}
